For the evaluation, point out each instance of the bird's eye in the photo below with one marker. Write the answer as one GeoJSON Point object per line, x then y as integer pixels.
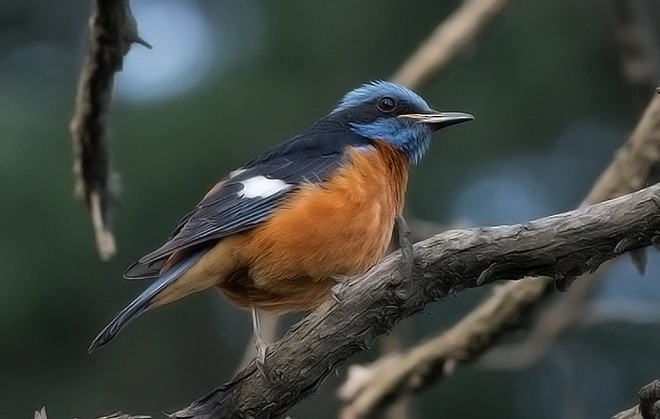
{"type": "Point", "coordinates": [387, 104]}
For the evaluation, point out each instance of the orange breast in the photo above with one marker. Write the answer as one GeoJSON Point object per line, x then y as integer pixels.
{"type": "Point", "coordinates": [323, 232]}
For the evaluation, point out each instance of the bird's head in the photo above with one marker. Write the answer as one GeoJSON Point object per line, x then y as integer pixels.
{"type": "Point", "coordinates": [389, 112]}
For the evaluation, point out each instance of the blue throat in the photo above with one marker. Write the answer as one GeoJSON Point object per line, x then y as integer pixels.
{"type": "Point", "coordinates": [412, 138]}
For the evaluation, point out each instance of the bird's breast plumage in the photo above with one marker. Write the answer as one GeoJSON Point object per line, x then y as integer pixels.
{"type": "Point", "coordinates": [323, 231]}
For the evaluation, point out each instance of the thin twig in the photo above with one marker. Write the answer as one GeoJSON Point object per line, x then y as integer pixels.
{"type": "Point", "coordinates": [451, 37]}
{"type": "Point", "coordinates": [112, 30]}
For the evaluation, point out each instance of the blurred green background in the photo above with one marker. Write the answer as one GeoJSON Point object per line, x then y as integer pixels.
{"type": "Point", "coordinates": [227, 79]}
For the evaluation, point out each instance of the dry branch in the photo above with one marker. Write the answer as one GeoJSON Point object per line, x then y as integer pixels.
{"type": "Point", "coordinates": [112, 30]}
{"type": "Point", "coordinates": [635, 166]}
{"type": "Point", "coordinates": [451, 37]}
{"type": "Point", "coordinates": [636, 31]}
{"type": "Point", "coordinates": [561, 247]}
{"type": "Point", "coordinates": [634, 163]}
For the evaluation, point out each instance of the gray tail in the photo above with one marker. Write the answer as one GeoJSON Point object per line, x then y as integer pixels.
{"type": "Point", "coordinates": [143, 301]}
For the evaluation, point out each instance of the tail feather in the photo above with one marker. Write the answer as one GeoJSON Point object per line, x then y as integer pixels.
{"type": "Point", "coordinates": [143, 301]}
{"type": "Point", "coordinates": [138, 271]}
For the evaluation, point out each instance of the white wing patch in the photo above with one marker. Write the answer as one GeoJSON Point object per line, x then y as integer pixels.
{"type": "Point", "coordinates": [262, 187]}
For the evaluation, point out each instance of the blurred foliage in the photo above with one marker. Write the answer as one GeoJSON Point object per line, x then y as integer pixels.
{"type": "Point", "coordinates": [544, 84]}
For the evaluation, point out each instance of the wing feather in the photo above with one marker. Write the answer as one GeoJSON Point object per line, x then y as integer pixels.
{"type": "Point", "coordinates": [311, 157]}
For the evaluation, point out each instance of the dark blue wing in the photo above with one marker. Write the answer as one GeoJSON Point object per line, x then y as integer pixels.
{"type": "Point", "coordinates": [224, 211]}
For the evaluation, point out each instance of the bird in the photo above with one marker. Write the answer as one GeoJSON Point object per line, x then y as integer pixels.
{"type": "Point", "coordinates": [276, 233]}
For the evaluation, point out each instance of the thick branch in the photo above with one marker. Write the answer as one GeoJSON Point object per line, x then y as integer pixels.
{"type": "Point", "coordinates": [112, 29]}
{"type": "Point", "coordinates": [370, 387]}
{"type": "Point", "coordinates": [561, 246]}
{"type": "Point", "coordinates": [635, 166]}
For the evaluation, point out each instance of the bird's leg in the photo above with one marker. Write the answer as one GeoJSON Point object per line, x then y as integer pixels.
{"type": "Point", "coordinates": [259, 344]}
{"type": "Point", "coordinates": [405, 264]}
{"type": "Point", "coordinates": [406, 245]}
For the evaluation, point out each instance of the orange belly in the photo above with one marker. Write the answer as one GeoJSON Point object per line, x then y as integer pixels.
{"type": "Point", "coordinates": [323, 232]}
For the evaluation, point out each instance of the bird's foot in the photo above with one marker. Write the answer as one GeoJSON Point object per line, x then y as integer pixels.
{"type": "Point", "coordinates": [336, 290]}
{"type": "Point", "coordinates": [261, 347]}
{"type": "Point", "coordinates": [405, 243]}
{"type": "Point", "coordinates": [260, 344]}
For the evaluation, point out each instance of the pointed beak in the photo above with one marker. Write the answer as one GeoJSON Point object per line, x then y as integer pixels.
{"type": "Point", "coordinates": [437, 120]}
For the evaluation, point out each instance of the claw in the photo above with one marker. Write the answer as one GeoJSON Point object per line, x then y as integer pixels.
{"type": "Point", "coordinates": [260, 360]}
{"type": "Point", "coordinates": [260, 344]}
{"type": "Point", "coordinates": [405, 243]}
{"type": "Point", "coordinates": [336, 290]}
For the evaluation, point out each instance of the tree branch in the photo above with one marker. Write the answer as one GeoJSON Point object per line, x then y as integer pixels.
{"type": "Point", "coordinates": [634, 166]}
{"type": "Point", "coordinates": [112, 30]}
{"type": "Point", "coordinates": [365, 388]}
{"type": "Point", "coordinates": [561, 247]}
{"type": "Point", "coordinates": [451, 37]}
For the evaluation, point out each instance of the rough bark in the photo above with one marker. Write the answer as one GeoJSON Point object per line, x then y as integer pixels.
{"type": "Point", "coordinates": [368, 388]}
{"type": "Point", "coordinates": [560, 247]}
